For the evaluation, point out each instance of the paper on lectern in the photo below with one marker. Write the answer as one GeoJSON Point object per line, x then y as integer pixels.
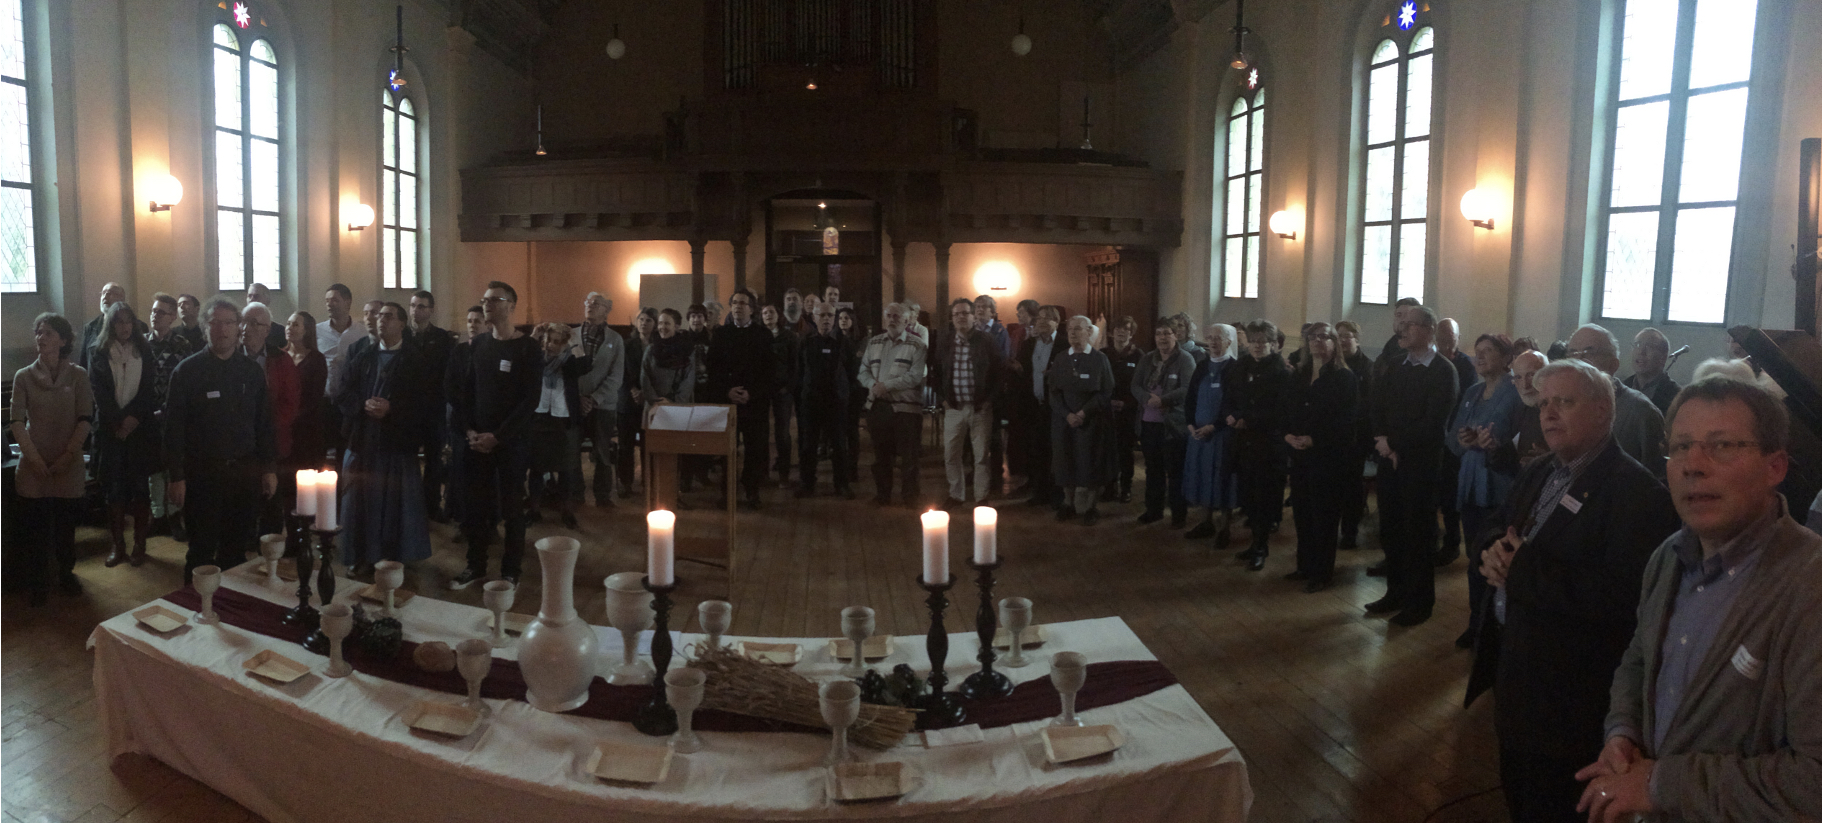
{"type": "Point", "coordinates": [690, 418]}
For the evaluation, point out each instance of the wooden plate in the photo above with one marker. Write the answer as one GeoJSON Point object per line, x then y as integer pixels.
{"type": "Point", "coordinates": [276, 667]}
{"type": "Point", "coordinates": [630, 764]}
{"type": "Point", "coordinates": [399, 596]}
{"type": "Point", "coordinates": [1034, 637]}
{"type": "Point", "coordinates": [160, 619]}
{"type": "Point", "coordinates": [515, 623]}
{"type": "Point", "coordinates": [1063, 744]}
{"type": "Point", "coordinates": [783, 654]}
{"type": "Point", "coordinates": [857, 782]}
{"type": "Point", "coordinates": [439, 717]}
{"type": "Point", "coordinates": [877, 647]}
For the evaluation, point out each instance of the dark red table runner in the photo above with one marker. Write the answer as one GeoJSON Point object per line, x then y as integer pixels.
{"type": "Point", "coordinates": [1108, 683]}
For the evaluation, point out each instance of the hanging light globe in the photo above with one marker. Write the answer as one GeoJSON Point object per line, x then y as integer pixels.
{"type": "Point", "coordinates": [1021, 44]}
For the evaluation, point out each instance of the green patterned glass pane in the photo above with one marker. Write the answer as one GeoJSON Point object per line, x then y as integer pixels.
{"type": "Point", "coordinates": [1233, 275]}
{"type": "Point", "coordinates": [1252, 266]}
{"type": "Point", "coordinates": [1236, 146]}
{"type": "Point", "coordinates": [1723, 42]}
{"type": "Point", "coordinates": [232, 260]}
{"type": "Point", "coordinates": [1647, 48]}
{"type": "Point", "coordinates": [15, 134]}
{"type": "Point", "coordinates": [264, 175]}
{"type": "Point", "coordinates": [225, 37]}
{"type": "Point", "coordinates": [1411, 250]}
{"type": "Point", "coordinates": [1632, 260]}
{"type": "Point", "coordinates": [1417, 97]}
{"type": "Point", "coordinates": [1424, 41]}
{"type": "Point", "coordinates": [408, 260]}
{"type": "Point", "coordinates": [262, 99]}
{"type": "Point", "coordinates": [17, 241]}
{"type": "Point", "coordinates": [408, 143]}
{"type": "Point", "coordinates": [12, 40]}
{"type": "Point", "coordinates": [1376, 265]}
{"type": "Point", "coordinates": [405, 106]}
{"type": "Point", "coordinates": [228, 171]}
{"type": "Point", "coordinates": [1387, 50]}
{"type": "Point", "coordinates": [389, 199]}
{"type": "Point", "coordinates": [389, 251]}
{"type": "Point", "coordinates": [1698, 273]}
{"type": "Point", "coordinates": [1382, 105]}
{"type": "Point", "coordinates": [1252, 202]}
{"type": "Point", "coordinates": [227, 90]}
{"type": "Point", "coordinates": [408, 201]}
{"type": "Point", "coordinates": [1256, 144]}
{"type": "Point", "coordinates": [1416, 185]}
{"type": "Point", "coordinates": [1638, 154]}
{"type": "Point", "coordinates": [262, 51]}
{"type": "Point", "coordinates": [389, 139]}
{"type": "Point", "coordinates": [1379, 184]}
{"type": "Point", "coordinates": [265, 249]}
{"type": "Point", "coordinates": [1711, 147]}
{"type": "Point", "coordinates": [1236, 206]}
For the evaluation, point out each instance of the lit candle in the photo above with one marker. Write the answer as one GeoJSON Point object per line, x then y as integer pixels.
{"type": "Point", "coordinates": [986, 535]}
{"type": "Point", "coordinates": [325, 501]}
{"type": "Point", "coordinates": [661, 547]}
{"type": "Point", "coordinates": [936, 548]}
{"type": "Point", "coordinates": [306, 491]}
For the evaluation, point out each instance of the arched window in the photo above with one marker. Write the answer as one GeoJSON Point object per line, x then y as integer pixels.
{"type": "Point", "coordinates": [18, 186]}
{"type": "Point", "coordinates": [399, 184]}
{"type": "Point", "coordinates": [1245, 177]}
{"type": "Point", "coordinates": [1676, 119]}
{"type": "Point", "coordinates": [1395, 215]}
{"type": "Point", "coordinates": [246, 158]}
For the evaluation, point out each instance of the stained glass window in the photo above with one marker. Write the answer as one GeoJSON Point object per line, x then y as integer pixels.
{"type": "Point", "coordinates": [249, 240]}
{"type": "Point", "coordinates": [399, 178]}
{"type": "Point", "coordinates": [18, 240]}
{"type": "Point", "coordinates": [1244, 178]}
{"type": "Point", "coordinates": [1395, 214]}
{"type": "Point", "coordinates": [1678, 117]}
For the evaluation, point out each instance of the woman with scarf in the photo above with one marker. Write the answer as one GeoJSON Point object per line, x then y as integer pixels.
{"type": "Point", "coordinates": [127, 449]}
{"type": "Point", "coordinates": [556, 424]}
{"type": "Point", "coordinates": [1208, 463]}
{"type": "Point", "coordinates": [383, 400]}
{"type": "Point", "coordinates": [1320, 405]}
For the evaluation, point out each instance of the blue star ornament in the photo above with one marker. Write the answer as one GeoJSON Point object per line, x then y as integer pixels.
{"type": "Point", "coordinates": [394, 80]}
{"type": "Point", "coordinates": [1407, 15]}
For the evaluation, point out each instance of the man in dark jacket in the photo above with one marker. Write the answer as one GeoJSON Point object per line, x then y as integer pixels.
{"type": "Point", "coordinates": [1567, 553]}
{"type": "Point", "coordinates": [1031, 404]}
{"type": "Point", "coordinates": [433, 347]}
{"type": "Point", "coordinates": [964, 367]}
{"type": "Point", "coordinates": [1253, 409]}
{"type": "Point", "coordinates": [495, 398]}
{"type": "Point", "coordinates": [1411, 406]}
{"type": "Point", "coordinates": [784, 386]}
{"type": "Point", "coordinates": [741, 368]}
{"type": "Point", "coordinates": [822, 370]}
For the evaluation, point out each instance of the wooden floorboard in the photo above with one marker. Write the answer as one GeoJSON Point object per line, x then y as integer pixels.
{"type": "Point", "coordinates": [1341, 717]}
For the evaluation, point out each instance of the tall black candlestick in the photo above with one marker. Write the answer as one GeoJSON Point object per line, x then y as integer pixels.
{"type": "Point", "coordinates": [940, 708]}
{"type": "Point", "coordinates": [986, 683]}
{"type": "Point", "coordinates": [325, 582]}
{"type": "Point", "coordinates": [656, 717]}
{"type": "Point", "coordinates": [303, 615]}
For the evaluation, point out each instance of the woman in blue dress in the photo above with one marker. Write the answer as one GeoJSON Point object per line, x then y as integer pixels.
{"type": "Point", "coordinates": [1208, 464]}
{"type": "Point", "coordinates": [1485, 418]}
{"type": "Point", "coordinates": [383, 398]}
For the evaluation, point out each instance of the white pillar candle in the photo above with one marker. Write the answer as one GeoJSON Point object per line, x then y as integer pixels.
{"type": "Point", "coordinates": [986, 535]}
{"type": "Point", "coordinates": [306, 492]}
{"type": "Point", "coordinates": [325, 501]}
{"type": "Point", "coordinates": [661, 547]}
{"type": "Point", "coordinates": [936, 548]}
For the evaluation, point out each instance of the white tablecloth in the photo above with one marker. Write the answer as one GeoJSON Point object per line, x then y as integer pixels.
{"type": "Point", "coordinates": [325, 749]}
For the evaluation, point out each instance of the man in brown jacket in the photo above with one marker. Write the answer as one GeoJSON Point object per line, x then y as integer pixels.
{"type": "Point", "coordinates": [1714, 706]}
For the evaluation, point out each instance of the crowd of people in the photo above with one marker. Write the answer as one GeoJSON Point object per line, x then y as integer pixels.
{"type": "Point", "coordinates": [1621, 534]}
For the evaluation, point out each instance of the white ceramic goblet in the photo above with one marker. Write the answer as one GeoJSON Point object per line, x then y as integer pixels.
{"type": "Point", "coordinates": [207, 579]}
{"type": "Point", "coordinates": [1068, 671]}
{"type": "Point", "coordinates": [683, 688]}
{"type": "Point", "coordinates": [840, 708]}
{"type": "Point", "coordinates": [857, 626]}
{"type": "Point", "coordinates": [389, 575]}
{"type": "Point", "coordinates": [474, 658]}
{"type": "Point", "coordinates": [1015, 615]}
{"type": "Point", "coordinates": [337, 622]}
{"type": "Point", "coordinates": [715, 616]}
{"type": "Point", "coordinates": [629, 609]}
{"type": "Point", "coordinates": [497, 596]}
{"type": "Point", "coordinates": [272, 547]}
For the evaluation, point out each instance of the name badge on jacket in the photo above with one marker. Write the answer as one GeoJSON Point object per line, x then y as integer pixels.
{"type": "Point", "coordinates": [506, 365]}
{"type": "Point", "coordinates": [1746, 664]}
{"type": "Point", "coordinates": [1573, 505]}
{"type": "Point", "coordinates": [214, 395]}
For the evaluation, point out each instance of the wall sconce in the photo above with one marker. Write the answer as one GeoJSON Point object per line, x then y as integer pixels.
{"type": "Point", "coordinates": [1021, 42]}
{"type": "Point", "coordinates": [616, 48]}
{"type": "Point", "coordinates": [998, 277]}
{"type": "Point", "coordinates": [166, 192]}
{"type": "Point", "coordinates": [1286, 224]}
{"type": "Point", "coordinates": [1478, 206]}
{"type": "Point", "coordinates": [360, 216]}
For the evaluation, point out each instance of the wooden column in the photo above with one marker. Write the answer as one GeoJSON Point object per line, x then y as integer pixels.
{"type": "Point", "coordinates": [740, 264]}
{"type": "Point", "coordinates": [941, 309]}
{"type": "Point", "coordinates": [898, 272]}
{"type": "Point", "coordinates": [698, 250]}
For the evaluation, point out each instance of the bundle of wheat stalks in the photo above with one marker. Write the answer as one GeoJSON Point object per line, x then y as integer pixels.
{"type": "Point", "coordinates": [742, 685]}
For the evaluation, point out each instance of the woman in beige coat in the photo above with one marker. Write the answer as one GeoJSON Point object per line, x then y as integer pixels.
{"type": "Point", "coordinates": [52, 409]}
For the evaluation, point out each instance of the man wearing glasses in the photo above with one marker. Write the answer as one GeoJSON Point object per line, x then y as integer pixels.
{"type": "Point", "coordinates": [493, 399]}
{"type": "Point", "coordinates": [169, 348]}
{"type": "Point", "coordinates": [1409, 416]}
{"type": "Point", "coordinates": [740, 367]}
{"type": "Point", "coordinates": [1713, 712]}
{"type": "Point", "coordinates": [1565, 552]}
{"type": "Point", "coordinates": [1638, 426]}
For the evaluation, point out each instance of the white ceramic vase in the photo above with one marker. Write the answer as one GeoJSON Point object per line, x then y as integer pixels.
{"type": "Point", "coordinates": [557, 653]}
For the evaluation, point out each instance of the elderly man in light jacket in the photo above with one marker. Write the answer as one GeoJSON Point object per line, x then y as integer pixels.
{"type": "Point", "coordinates": [600, 389]}
{"type": "Point", "coordinates": [892, 372]}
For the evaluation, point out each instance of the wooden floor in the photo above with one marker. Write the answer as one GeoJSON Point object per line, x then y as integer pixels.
{"type": "Point", "coordinates": [1341, 717]}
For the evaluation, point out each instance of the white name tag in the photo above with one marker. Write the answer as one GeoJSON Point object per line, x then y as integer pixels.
{"type": "Point", "coordinates": [1746, 664]}
{"type": "Point", "coordinates": [1573, 505]}
{"type": "Point", "coordinates": [1085, 377]}
{"type": "Point", "coordinates": [213, 395]}
{"type": "Point", "coordinates": [506, 365]}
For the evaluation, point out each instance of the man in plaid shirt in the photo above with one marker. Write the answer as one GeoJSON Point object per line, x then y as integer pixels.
{"type": "Point", "coordinates": [963, 364]}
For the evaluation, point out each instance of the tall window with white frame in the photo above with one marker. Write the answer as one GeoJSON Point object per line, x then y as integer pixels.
{"type": "Point", "coordinates": [1244, 177]}
{"type": "Point", "coordinates": [399, 183]}
{"type": "Point", "coordinates": [248, 236]}
{"type": "Point", "coordinates": [18, 239]}
{"type": "Point", "coordinates": [1395, 215]}
{"type": "Point", "coordinates": [1677, 123]}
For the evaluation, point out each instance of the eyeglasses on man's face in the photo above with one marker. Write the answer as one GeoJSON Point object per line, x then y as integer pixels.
{"type": "Point", "coordinates": [1720, 451]}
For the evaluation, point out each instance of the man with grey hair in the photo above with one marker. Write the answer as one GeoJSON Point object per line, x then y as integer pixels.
{"type": "Point", "coordinates": [1650, 358]}
{"type": "Point", "coordinates": [1638, 426]}
{"type": "Point", "coordinates": [282, 393]}
{"type": "Point", "coordinates": [600, 390]}
{"type": "Point", "coordinates": [258, 293]}
{"type": "Point", "coordinates": [111, 293]}
{"type": "Point", "coordinates": [1080, 383]}
{"type": "Point", "coordinates": [1565, 553]}
{"type": "Point", "coordinates": [1510, 456]}
{"type": "Point", "coordinates": [892, 372]}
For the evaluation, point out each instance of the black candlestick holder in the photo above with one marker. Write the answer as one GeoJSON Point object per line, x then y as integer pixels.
{"type": "Point", "coordinates": [656, 717]}
{"type": "Point", "coordinates": [297, 545]}
{"type": "Point", "coordinates": [940, 708]}
{"type": "Point", "coordinates": [986, 684]}
{"type": "Point", "coordinates": [325, 583]}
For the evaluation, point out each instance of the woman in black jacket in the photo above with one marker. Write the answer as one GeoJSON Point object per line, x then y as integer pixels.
{"type": "Point", "coordinates": [556, 431]}
{"type": "Point", "coordinates": [1321, 405]}
{"type": "Point", "coordinates": [122, 373]}
{"type": "Point", "coordinates": [1253, 405]}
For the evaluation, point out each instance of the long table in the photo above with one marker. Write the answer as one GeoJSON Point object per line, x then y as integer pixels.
{"type": "Point", "coordinates": [326, 749]}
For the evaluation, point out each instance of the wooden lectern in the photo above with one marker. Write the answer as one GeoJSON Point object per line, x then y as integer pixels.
{"type": "Point", "coordinates": [673, 429]}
